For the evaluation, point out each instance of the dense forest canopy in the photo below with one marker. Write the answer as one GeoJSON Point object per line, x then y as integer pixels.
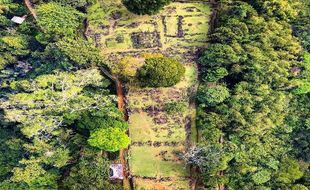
{"type": "Point", "coordinates": [54, 101]}
{"type": "Point", "coordinates": [253, 99]}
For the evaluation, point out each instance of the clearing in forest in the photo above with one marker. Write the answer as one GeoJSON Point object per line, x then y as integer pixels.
{"type": "Point", "coordinates": [158, 138]}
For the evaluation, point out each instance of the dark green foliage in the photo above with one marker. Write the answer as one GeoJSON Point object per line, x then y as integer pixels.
{"type": "Point", "coordinates": [301, 24]}
{"type": "Point", "coordinates": [219, 55]}
{"type": "Point", "coordinates": [11, 151]}
{"type": "Point", "coordinates": [210, 124]}
{"type": "Point", "coordinates": [279, 9]}
{"type": "Point", "coordinates": [301, 139]}
{"type": "Point", "coordinates": [300, 121]}
{"type": "Point", "coordinates": [142, 7]}
{"type": "Point", "coordinates": [215, 74]}
{"type": "Point", "coordinates": [102, 119]}
{"type": "Point", "coordinates": [52, 97]}
{"type": "Point", "coordinates": [67, 54]}
{"type": "Point", "coordinates": [160, 72]}
{"type": "Point", "coordinates": [262, 125]}
{"type": "Point", "coordinates": [92, 172]}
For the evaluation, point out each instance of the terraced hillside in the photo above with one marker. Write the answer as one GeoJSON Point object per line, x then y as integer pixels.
{"type": "Point", "coordinates": [158, 138]}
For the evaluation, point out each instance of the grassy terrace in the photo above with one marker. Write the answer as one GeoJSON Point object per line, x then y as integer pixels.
{"type": "Point", "coordinates": [158, 138]}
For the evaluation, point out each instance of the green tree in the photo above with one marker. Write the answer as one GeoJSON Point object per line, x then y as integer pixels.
{"type": "Point", "coordinates": [49, 101]}
{"type": "Point", "coordinates": [160, 72]}
{"type": "Point", "coordinates": [212, 95]}
{"type": "Point", "coordinates": [303, 86]}
{"type": "Point", "coordinates": [102, 119]}
{"type": "Point", "coordinates": [92, 172]}
{"type": "Point", "coordinates": [289, 172]}
{"type": "Point", "coordinates": [11, 48]}
{"type": "Point", "coordinates": [279, 9]}
{"type": "Point", "coordinates": [253, 41]}
{"type": "Point", "coordinates": [109, 139]}
{"type": "Point", "coordinates": [261, 177]}
{"type": "Point", "coordinates": [219, 55]}
{"type": "Point", "coordinates": [73, 3]}
{"type": "Point", "coordinates": [142, 7]}
{"type": "Point", "coordinates": [11, 151]}
{"type": "Point", "coordinates": [299, 187]}
{"type": "Point", "coordinates": [57, 20]}
{"type": "Point", "coordinates": [35, 176]}
{"type": "Point", "coordinates": [301, 24]}
{"type": "Point", "coordinates": [215, 74]}
{"type": "Point", "coordinates": [81, 52]}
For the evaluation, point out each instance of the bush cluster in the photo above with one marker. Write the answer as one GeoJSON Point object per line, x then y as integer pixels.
{"type": "Point", "coordinates": [160, 72]}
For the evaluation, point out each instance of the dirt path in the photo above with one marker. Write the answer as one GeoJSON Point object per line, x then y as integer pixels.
{"type": "Point", "coordinates": [121, 106]}
{"type": "Point", "coordinates": [123, 152]}
{"type": "Point", "coordinates": [32, 11]}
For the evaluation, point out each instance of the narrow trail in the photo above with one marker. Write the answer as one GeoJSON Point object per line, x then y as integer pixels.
{"type": "Point", "coordinates": [123, 152]}
{"type": "Point", "coordinates": [121, 107]}
{"type": "Point", "coordinates": [32, 11]}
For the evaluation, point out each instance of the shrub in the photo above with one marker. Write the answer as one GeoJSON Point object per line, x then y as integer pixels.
{"type": "Point", "coordinates": [160, 72]}
{"type": "Point", "coordinates": [143, 7]}
{"type": "Point", "coordinates": [175, 107]}
{"type": "Point", "coordinates": [126, 69]}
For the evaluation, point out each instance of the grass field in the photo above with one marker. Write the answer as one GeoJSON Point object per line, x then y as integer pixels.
{"type": "Point", "coordinates": [157, 161]}
{"type": "Point", "coordinates": [158, 138]}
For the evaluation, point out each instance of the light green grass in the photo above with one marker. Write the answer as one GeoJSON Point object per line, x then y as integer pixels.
{"type": "Point", "coordinates": [194, 25]}
{"type": "Point", "coordinates": [146, 161]}
{"type": "Point", "coordinates": [144, 129]}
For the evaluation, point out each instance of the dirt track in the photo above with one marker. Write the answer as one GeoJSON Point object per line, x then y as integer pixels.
{"type": "Point", "coordinates": [31, 9]}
